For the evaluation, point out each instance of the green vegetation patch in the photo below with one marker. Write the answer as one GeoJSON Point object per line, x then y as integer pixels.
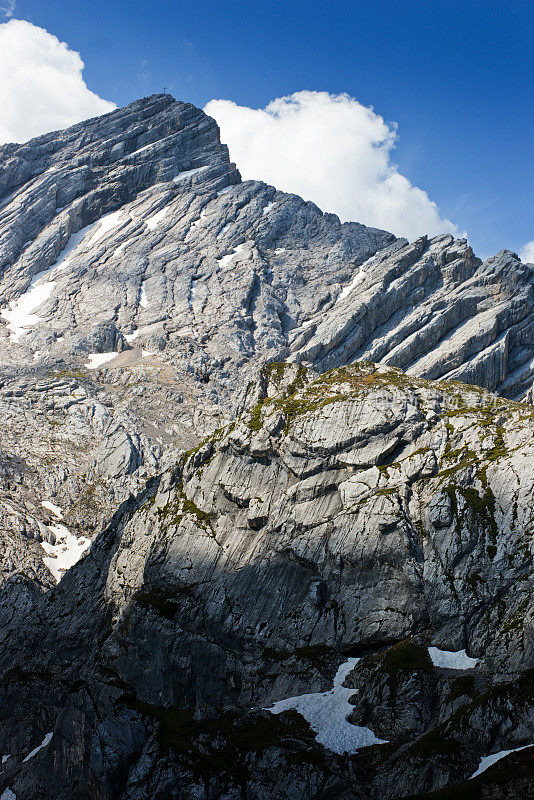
{"type": "Point", "coordinates": [318, 655]}
{"type": "Point", "coordinates": [406, 656]}
{"type": "Point", "coordinates": [434, 743]}
{"type": "Point", "coordinates": [301, 397]}
{"type": "Point", "coordinates": [481, 507]}
{"type": "Point", "coordinates": [223, 744]}
{"type": "Point", "coordinates": [180, 506]}
{"type": "Point", "coordinates": [464, 686]}
{"type": "Point", "coordinates": [164, 603]}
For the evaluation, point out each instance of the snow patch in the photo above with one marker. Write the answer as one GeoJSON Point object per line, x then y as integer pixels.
{"type": "Point", "coordinates": [4, 759]}
{"type": "Point", "coordinates": [226, 260]}
{"type": "Point", "coordinates": [105, 224]}
{"type": "Point", "coordinates": [198, 222]}
{"type": "Point", "coordinates": [148, 353]}
{"type": "Point", "coordinates": [488, 761]}
{"type": "Point", "coordinates": [223, 191]}
{"type": "Point", "coordinates": [280, 250]}
{"type": "Point", "coordinates": [451, 660]}
{"type": "Point", "coordinates": [56, 511]}
{"type": "Point", "coordinates": [47, 739]}
{"type": "Point", "coordinates": [153, 221]}
{"type": "Point", "coordinates": [267, 208]}
{"type": "Point", "coordinates": [97, 359]}
{"type": "Point", "coordinates": [192, 290]}
{"type": "Point", "coordinates": [358, 278]}
{"type": "Point", "coordinates": [67, 550]}
{"type": "Point", "coordinates": [188, 173]}
{"type": "Point", "coordinates": [20, 313]}
{"type": "Point", "coordinates": [143, 300]}
{"type": "Point", "coordinates": [327, 713]}
{"type": "Point", "coordinates": [130, 337]}
{"type": "Point", "coordinates": [140, 150]}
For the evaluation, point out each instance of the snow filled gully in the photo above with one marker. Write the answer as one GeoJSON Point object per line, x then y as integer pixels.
{"type": "Point", "coordinates": [67, 548]}
{"type": "Point", "coordinates": [489, 761]}
{"type": "Point", "coordinates": [20, 314]}
{"type": "Point", "coordinates": [9, 794]}
{"type": "Point", "coordinates": [327, 712]}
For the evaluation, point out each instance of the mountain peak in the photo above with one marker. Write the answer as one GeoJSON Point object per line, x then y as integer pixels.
{"type": "Point", "coordinates": [97, 166]}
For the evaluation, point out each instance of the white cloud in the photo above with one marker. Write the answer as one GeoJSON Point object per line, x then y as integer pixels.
{"type": "Point", "coordinates": [143, 76]}
{"type": "Point", "coordinates": [41, 84]}
{"type": "Point", "coordinates": [8, 8]}
{"type": "Point", "coordinates": [526, 254]}
{"type": "Point", "coordinates": [327, 148]}
{"type": "Point", "coordinates": [332, 150]}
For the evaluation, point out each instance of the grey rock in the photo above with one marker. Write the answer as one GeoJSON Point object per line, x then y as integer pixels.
{"type": "Point", "coordinates": [188, 605]}
{"type": "Point", "coordinates": [322, 514]}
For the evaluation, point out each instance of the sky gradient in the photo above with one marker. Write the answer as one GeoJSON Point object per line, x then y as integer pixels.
{"type": "Point", "coordinates": [456, 77]}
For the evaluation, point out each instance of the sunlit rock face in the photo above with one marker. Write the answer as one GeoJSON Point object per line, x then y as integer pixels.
{"type": "Point", "coordinates": [252, 458]}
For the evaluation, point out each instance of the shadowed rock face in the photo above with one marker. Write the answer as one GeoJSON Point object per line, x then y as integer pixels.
{"type": "Point", "coordinates": [338, 514]}
{"type": "Point", "coordinates": [357, 511]}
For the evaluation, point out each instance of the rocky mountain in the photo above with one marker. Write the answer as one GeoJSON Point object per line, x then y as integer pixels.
{"type": "Point", "coordinates": [266, 486]}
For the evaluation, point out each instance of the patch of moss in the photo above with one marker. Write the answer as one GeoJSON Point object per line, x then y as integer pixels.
{"type": "Point", "coordinates": [222, 745]}
{"type": "Point", "coordinates": [164, 603]}
{"type": "Point", "coordinates": [499, 449]}
{"type": "Point", "coordinates": [68, 374]}
{"type": "Point", "coordinates": [315, 654]}
{"type": "Point", "coordinates": [176, 509]}
{"type": "Point", "coordinates": [318, 655]}
{"type": "Point", "coordinates": [460, 687]}
{"type": "Point", "coordinates": [406, 656]}
{"type": "Point", "coordinates": [516, 621]}
{"type": "Point", "coordinates": [434, 743]}
{"type": "Point", "coordinates": [390, 490]}
{"type": "Point", "coordinates": [254, 420]}
{"type": "Point", "coordinates": [480, 506]}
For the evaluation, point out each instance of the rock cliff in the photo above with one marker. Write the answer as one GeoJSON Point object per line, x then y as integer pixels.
{"type": "Point", "coordinates": [253, 458]}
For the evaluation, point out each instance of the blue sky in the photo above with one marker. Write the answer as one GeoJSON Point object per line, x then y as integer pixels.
{"type": "Point", "coordinates": [456, 77]}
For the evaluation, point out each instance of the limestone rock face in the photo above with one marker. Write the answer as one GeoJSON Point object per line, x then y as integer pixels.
{"type": "Point", "coordinates": [141, 284]}
{"type": "Point", "coordinates": [236, 452]}
{"type": "Point", "coordinates": [434, 310]}
{"type": "Point", "coordinates": [397, 691]}
{"type": "Point", "coordinates": [305, 530]}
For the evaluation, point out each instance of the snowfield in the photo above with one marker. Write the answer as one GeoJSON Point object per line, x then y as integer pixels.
{"type": "Point", "coordinates": [451, 660]}
{"type": "Point", "coordinates": [488, 761]}
{"type": "Point", "coordinates": [20, 313]}
{"type": "Point", "coordinates": [327, 713]}
{"type": "Point", "coordinates": [97, 359]}
{"type": "Point", "coordinates": [67, 550]}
